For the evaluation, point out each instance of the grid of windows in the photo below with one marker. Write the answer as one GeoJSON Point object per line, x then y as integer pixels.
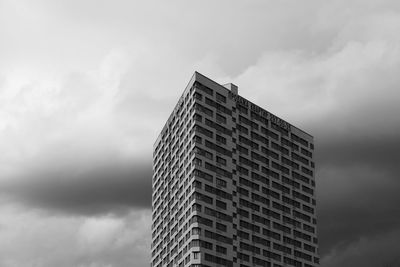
{"type": "Point", "coordinates": [233, 185]}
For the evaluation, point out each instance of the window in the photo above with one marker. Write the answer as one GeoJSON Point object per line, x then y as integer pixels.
{"type": "Point", "coordinates": [243, 213]}
{"type": "Point", "coordinates": [196, 231]}
{"type": "Point", "coordinates": [221, 182]}
{"type": "Point", "coordinates": [196, 207]}
{"type": "Point", "coordinates": [242, 170]}
{"type": "Point", "coordinates": [242, 129]}
{"type": "Point", "coordinates": [221, 227]}
{"type": "Point", "coordinates": [195, 243]}
{"type": "Point", "coordinates": [198, 96]}
{"type": "Point", "coordinates": [197, 139]}
{"type": "Point", "coordinates": [196, 255]}
{"type": "Point", "coordinates": [221, 249]}
{"type": "Point", "coordinates": [243, 235]}
{"type": "Point", "coordinates": [197, 162]}
{"type": "Point", "coordinates": [242, 150]}
{"type": "Point", "coordinates": [220, 139]}
{"type": "Point", "coordinates": [203, 109]}
{"type": "Point", "coordinates": [204, 131]}
{"type": "Point", "coordinates": [198, 117]}
{"type": "Point", "coordinates": [208, 155]}
{"type": "Point", "coordinates": [242, 109]}
{"type": "Point", "coordinates": [221, 204]}
{"type": "Point", "coordinates": [207, 245]}
{"type": "Point", "coordinates": [197, 184]}
{"type": "Point", "coordinates": [221, 98]}
{"type": "Point", "coordinates": [243, 257]}
{"type": "Point", "coordinates": [221, 119]}
{"type": "Point", "coordinates": [204, 88]}
{"type": "Point", "coordinates": [221, 161]}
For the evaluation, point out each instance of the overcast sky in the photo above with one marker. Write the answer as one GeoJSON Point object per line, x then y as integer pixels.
{"type": "Point", "coordinates": [86, 86]}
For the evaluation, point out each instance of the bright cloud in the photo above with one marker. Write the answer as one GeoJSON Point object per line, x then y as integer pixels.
{"type": "Point", "coordinates": [31, 238]}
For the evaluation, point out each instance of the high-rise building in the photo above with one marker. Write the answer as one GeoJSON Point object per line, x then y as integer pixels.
{"type": "Point", "coordinates": [233, 184]}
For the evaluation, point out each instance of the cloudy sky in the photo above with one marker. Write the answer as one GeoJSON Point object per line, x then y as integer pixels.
{"type": "Point", "coordinates": [86, 85]}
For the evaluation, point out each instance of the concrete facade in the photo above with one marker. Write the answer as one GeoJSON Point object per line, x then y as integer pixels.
{"type": "Point", "coordinates": [233, 184]}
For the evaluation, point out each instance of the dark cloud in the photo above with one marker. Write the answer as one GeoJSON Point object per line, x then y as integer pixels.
{"type": "Point", "coordinates": [376, 152]}
{"type": "Point", "coordinates": [379, 251]}
{"type": "Point", "coordinates": [360, 207]}
{"type": "Point", "coordinates": [107, 188]}
{"type": "Point", "coordinates": [357, 187]}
